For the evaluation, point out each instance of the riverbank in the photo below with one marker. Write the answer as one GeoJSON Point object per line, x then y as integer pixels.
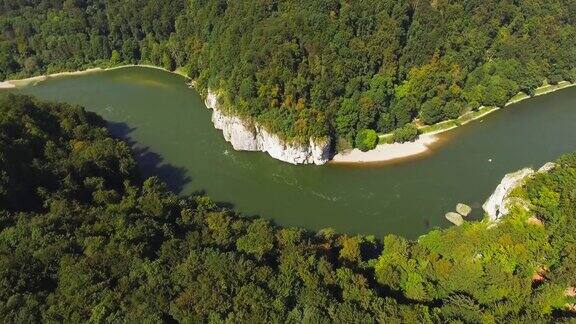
{"type": "Point", "coordinates": [27, 81]}
{"type": "Point", "coordinates": [10, 84]}
{"type": "Point", "coordinates": [6, 85]}
{"type": "Point", "coordinates": [387, 151]}
{"type": "Point", "coordinates": [178, 71]}
{"type": "Point", "coordinates": [251, 136]}
{"type": "Point", "coordinates": [242, 135]}
{"type": "Point", "coordinates": [447, 125]}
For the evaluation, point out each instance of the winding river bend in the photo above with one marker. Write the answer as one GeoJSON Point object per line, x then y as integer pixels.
{"type": "Point", "coordinates": [169, 126]}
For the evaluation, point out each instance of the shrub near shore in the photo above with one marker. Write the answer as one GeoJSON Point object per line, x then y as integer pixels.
{"type": "Point", "coordinates": [407, 133]}
{"type": "Point", "coordinates": [366, 140]}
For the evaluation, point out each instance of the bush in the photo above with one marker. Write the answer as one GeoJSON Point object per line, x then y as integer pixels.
{"type": "Point", "coordinates": [452, 109]}
{"type": "Point", "coordinates": [432, 112]}
{"type": "Point", "coordinates": [366, 140]}
{"type": "Point", "coordinates": [407, 133]}
{"type": "Point", "coordinates": [386, 123]}
{"type": "Point", "coordinates": [343, 145]}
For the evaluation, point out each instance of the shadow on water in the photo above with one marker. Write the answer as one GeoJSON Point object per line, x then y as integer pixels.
{"type": "Point", "coordinates": [151, 163]}
{"type": "Point", "coordinates": [226, 205]}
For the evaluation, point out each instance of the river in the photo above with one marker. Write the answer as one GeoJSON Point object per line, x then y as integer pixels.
{"type": "Point", "coordinates": [170, 129]}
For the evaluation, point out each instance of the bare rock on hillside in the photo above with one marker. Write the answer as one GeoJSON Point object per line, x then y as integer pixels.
{"type": "Point", "coordinates": [495, 205]}
{"type": "Point", "coordinates": [250, 136]}
{"type": "Point", "coordinates": [547, 167]}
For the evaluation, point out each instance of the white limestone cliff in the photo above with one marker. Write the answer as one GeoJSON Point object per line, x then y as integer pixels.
{"type": "Point", "coordinates": [248, 136]}
{"type": "Point", "coordinates": [498, 204]}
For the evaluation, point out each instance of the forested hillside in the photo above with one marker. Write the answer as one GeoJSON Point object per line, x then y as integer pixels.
{"type": "Point", "coordinates": [310, 68]}
{"type": "Point", "coordinates": [82, 237]}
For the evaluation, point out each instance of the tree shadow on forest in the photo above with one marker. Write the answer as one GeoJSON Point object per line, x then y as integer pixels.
{"type": "Point", "coordinates": [151, 163]}
{"type": "Point", "coordinates": [222, 204]}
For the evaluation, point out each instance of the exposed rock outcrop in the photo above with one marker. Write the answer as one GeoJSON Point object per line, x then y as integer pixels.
{"type": "Point", "coordinates": [495, 206]}
{"type": "Point", "coordinates": [499, 203]}
{"type": "Point", "coordinates": [463, 209]}
{"type": "Point", "coordinates": [455, 218]}
{"type": "Point", "coordinates": [248, 136]}
{"type": "Point", "coordinates": [533, 220]}
{"type": "Point", "coordinates": [540, 275]}
{"type": "Point", "coordinates": [547, 167]}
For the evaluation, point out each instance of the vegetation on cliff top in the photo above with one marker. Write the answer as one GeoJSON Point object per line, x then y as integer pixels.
{"type": "Point", "coordinates": [311, 68]}
{"type": "Point", "coordinates": [83, 237]}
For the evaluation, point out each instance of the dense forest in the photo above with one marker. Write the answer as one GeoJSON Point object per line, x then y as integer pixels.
{"type": "Point", "coordinates": [310, 68]}
{"type": "Point", "coordinates": [84, 238]}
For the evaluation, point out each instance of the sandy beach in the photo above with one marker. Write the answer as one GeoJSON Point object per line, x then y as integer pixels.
{"type": "Point", "coordinates": [10, 84]}
{"type": "Point", "coordinates": [7, 85]}
{"type": "Point", "coordinates": [387, 152]}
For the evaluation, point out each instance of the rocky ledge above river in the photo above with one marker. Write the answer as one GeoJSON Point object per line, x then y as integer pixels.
{"type": "Point", "coordinates": [249, 136]}
{"type": "Point", "coordinates": [498, 204]}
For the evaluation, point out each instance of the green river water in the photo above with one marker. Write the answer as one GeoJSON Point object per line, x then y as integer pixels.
{"type": "Point", "coordinates": [171, 131]}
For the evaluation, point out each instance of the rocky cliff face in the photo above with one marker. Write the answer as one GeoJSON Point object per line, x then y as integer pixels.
{"type": "Point", "coordinates": [246, 136]}
{"type": "Point", "coordinates": [498, 204]}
